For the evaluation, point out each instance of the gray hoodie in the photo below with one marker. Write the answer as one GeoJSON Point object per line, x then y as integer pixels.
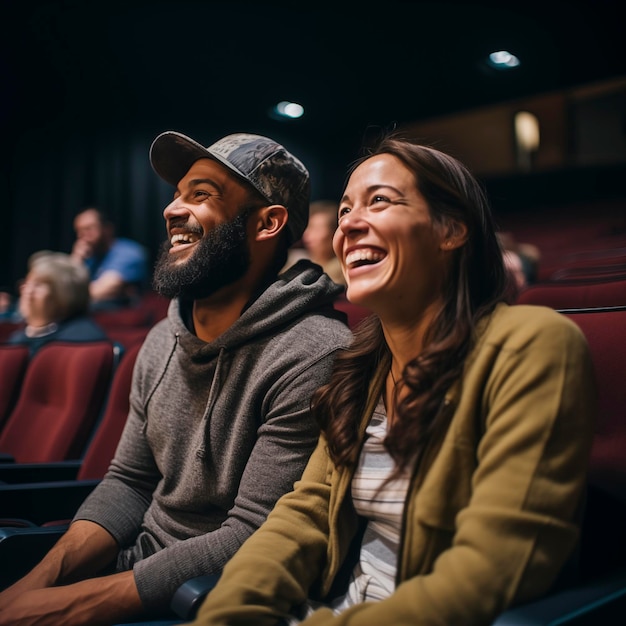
{"type": "Point", "coordinates": [216, 432]}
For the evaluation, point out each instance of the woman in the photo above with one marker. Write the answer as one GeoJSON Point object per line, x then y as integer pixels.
{"type": "Point", "coordinates": [54, 302]}
{"type": "Point", "coordinates": [455, 432]}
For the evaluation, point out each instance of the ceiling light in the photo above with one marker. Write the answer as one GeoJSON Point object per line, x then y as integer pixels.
{"type": "Point", "coordinates": [290, 110]}
{"type": "Point", "coordinates": [503, 60]}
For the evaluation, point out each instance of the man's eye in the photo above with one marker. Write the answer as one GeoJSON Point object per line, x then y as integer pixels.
{"type": "Point", "coordinates": [200, 193]}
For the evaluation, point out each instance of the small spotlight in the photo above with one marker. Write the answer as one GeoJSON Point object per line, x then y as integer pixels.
{"type": "Point", "coordinates": [503, 60]}
{"type": "Point", "coordinates": [289, 109]}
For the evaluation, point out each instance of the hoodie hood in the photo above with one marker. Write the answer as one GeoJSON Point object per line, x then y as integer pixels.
{"type": "Point", "coordinates": [302, 289]}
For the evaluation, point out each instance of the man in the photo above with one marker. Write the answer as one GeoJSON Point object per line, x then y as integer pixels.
{"type": "Point", "coordinates": [318, 238]}
{"type": "Point", "coordinates": [219, 425]}
{"type": "Point", "coordinates": [118, 266]}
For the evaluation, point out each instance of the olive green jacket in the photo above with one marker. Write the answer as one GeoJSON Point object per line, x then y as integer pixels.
{"type": "Point", "coordinates": [491, 513]}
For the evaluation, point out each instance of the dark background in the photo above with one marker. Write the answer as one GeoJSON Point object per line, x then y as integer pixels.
{"type": "Point", "coordinates": [87, 85]}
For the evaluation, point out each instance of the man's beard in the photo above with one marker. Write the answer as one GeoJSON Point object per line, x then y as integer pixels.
{"type": "Point", "coordinates": [220, 258]}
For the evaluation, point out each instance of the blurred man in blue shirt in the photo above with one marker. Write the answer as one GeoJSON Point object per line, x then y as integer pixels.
{"type": "Point", "coordinates": [118, 266]}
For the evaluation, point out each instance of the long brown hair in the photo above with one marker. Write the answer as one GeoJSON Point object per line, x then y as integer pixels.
{"type": "Point", "coordinates": [477, 282]}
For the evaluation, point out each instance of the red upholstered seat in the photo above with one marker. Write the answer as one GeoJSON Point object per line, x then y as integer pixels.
{"type": "Point", "coordinates": [8, 328]}
{"type": "Point", "coordinates": [605, 330]}
{"type": "Point", "coordinates": [576, 294]}
{"type": "Point", "coordinates": [48, 494]}
{"type": "Point", "coordinates": [13, 363]}
{"type": "Point", "coordinates": [354, 312]}
{"type": "Point", "coordinates": [61, 398]}
{"type": "Point", "coordinates": [102, 447]}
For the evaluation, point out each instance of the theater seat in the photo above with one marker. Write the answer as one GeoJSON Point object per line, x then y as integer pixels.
{"type": "Point", "coordinates": [104, 443]}
{"type": "Point", "coordinates": [42, 498]}
{"type": "Point", "coordinates": [599, 595]}
{"type": "Point", "coordinates": [354, 312]}
{"type": "Point", "coordinates": [575, 294]}
{"type": "Point", "coordinates": [605, 330]}
{"type": "Point", "coordinates": [13, 362]}
{"type": "Point", "coordinates": [61, 398]}
{"type": "Point", "coordinates": [19, 481]}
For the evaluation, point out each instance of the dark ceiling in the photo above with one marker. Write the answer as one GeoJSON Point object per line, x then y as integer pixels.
{"type": "Point", "coordinates": [356, 67]}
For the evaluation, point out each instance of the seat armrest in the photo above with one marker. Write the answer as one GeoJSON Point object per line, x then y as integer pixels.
{"type": "Point", "coordinates": [191, 594]}
{"type": "Point", "coordinates": [38, 472]}
{"type": "Point", "coordinates": [22, 548]}
{"type": "Point", "coordinates": [44, 502]}
{"type": "Point", "coordinates": [598, 602]}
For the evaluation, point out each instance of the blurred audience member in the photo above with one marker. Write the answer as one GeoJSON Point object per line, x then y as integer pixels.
{"type": "Point", "coordinates": [318, 238]}
{"type": "Point", "coordinates": [528, 254]}
{"type": "Point", "coordinates": [8, 306]}
{"type": "Point", "coordinates": [521, 261]}
{"type": "Point", "coordinates": [515, 273]}
{"type": "Point", "coordinates": [54, 302]}
{"type": "Point", "coordinates": [118, 267]}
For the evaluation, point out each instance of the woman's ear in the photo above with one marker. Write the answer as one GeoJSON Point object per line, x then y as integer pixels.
{"type": "Point", "coordinates": [270, 221]}
{"type": "Point", "coordinates": [455, 235]}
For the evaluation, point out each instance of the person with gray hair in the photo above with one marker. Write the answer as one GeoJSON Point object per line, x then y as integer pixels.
{"type": "Point", "coordinates": [54, 302]}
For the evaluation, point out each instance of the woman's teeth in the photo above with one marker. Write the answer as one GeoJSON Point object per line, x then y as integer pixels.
{"type": "Point", "coordinates": [363, 256]}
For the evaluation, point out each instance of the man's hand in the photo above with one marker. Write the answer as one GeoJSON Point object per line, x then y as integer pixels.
{"type": "Point", "coordinates": [108, 286]}
{"type": "Point", "coordinates": [83, 551]}
{"type": "Point", "coordinates": [93, 602]}
{"type": "Point", "coordinates": [81, 250]}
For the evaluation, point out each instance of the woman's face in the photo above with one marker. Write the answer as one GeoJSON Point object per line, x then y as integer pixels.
{"type": "Point", "coordinates": [37, 304]}
{"type": "Point", "coordinates": [390, 251]}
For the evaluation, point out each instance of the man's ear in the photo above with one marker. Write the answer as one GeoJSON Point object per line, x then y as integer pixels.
{"type": "Point", "coordinates": [270, 221]}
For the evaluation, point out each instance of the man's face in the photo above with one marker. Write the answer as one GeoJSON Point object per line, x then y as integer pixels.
{"type": "Point", "coordinates": [318, 237]}
{"type": "Point", "coordinates": [89, 228]}
{"type": "Point", "coordinates": [208, 235]}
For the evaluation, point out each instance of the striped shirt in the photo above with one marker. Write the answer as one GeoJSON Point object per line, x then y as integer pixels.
{"type": "Point", "coordinates": [381, 504]}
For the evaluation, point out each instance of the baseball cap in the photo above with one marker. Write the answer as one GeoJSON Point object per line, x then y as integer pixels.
{"type": "Point", "coordinates": [263, 163]}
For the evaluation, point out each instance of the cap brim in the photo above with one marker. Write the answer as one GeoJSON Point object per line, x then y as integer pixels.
{"type": "Point", "coordinates": [172, 154]}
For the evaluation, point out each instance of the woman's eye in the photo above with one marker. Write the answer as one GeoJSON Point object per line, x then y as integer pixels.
{"type": "Point", "coordinates": [344, 210]}
{"type": "Point", "coordinates": [377, 199]}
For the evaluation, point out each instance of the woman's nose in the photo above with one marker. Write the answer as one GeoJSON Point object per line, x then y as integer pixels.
{"type": "Point", "coordinates": [354, 221]}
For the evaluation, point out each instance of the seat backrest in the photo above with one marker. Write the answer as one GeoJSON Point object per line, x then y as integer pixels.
{"type": "Point", "coordinates": [126, 337]}
{"type": "Point", "coordinates": [354, 312]}
{"type": "Point", "coordinates": [129, 317]}
{"type": "Point", "coordinates": [605, 330]}
{"type": "Point", "coordinates": [13, 362]}
{"type": "Point", "coordinates": [61, 397]}
{"type": "Point", "coordinates": [7, 328]}
{"type": "Point", "coordinates": [102, 447]}
{"type": "Point", "coordinates": [613, 271]}
{"type": "Point", "coordinates": [575, 294]}
{"type": "Point", "coordinates": [156, 304]}
{"type": "Point", "coordinates": [604, 539]}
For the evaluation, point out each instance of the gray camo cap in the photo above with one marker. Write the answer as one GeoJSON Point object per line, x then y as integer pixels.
{"type": "Point", "coordinates": [273, 171]}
